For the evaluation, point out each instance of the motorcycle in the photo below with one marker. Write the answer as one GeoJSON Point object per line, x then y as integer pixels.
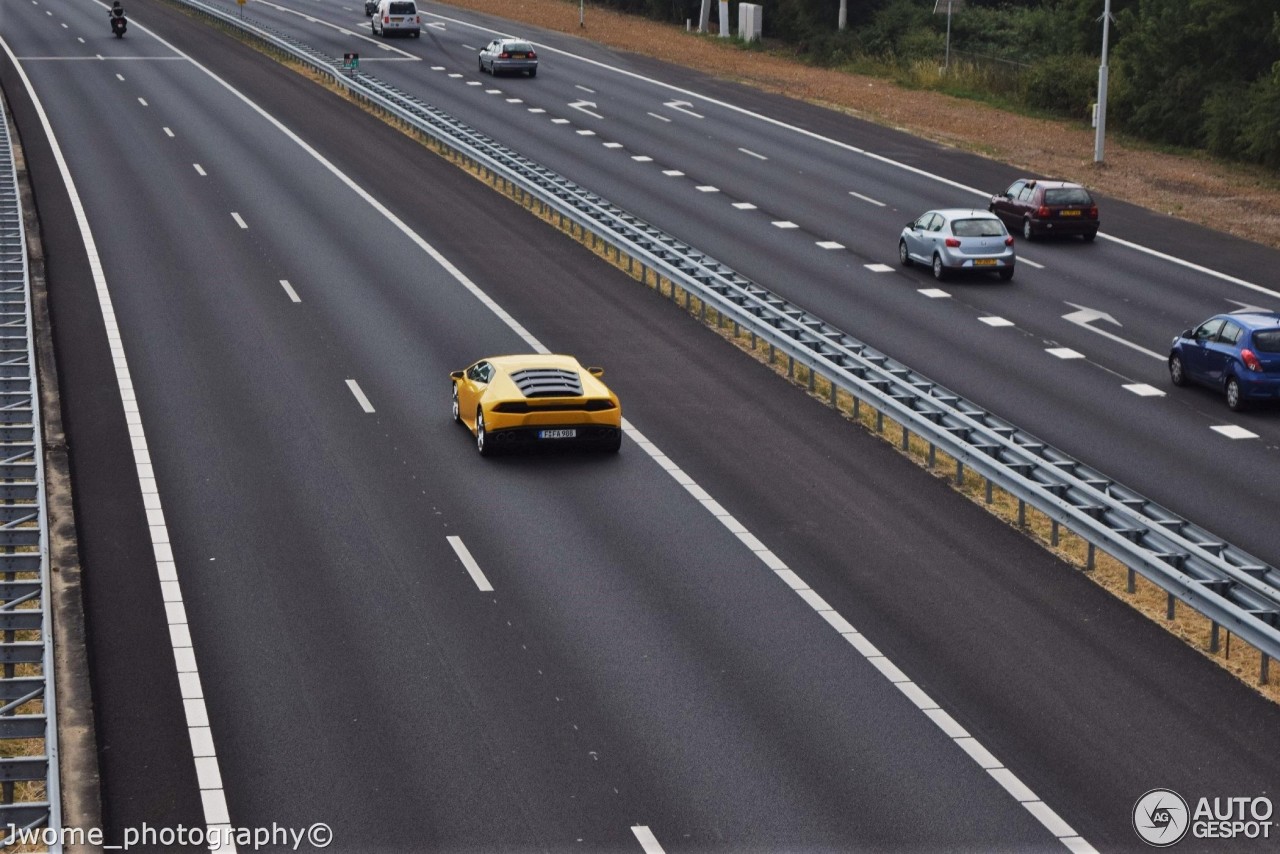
{"type": "Point", "coordinates": [118, 25]}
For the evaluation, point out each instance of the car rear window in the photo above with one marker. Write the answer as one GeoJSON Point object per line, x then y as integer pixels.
{"type": "Point", "coordinates": [1267, 340]}
{"type": "Point", "coordinates": [1068, 196]}
{"type": "Point", "coordinates": [518, 47]}
{"type": "Point", "coordinates": [977, 228]}
{"type": "Point", "coordinates": [403, 8]}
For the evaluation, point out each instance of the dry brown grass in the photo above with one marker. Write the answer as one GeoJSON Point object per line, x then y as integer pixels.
{"type": "Point", "coordinates": [1238, 199]}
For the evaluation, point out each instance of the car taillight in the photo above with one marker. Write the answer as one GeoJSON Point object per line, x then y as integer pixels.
{"type": "Point", "coordinates": [1250, 360]}
{"type": "Point", "coordinates": [1042, 212]}
{"type": "Point", "coordinates": [953, 243]}
{"type": "Point", "coordinates": [386, 19]}
{"type": "Point", "coordinates": [417, 19]}
{"type": "Point", "coordinates": [1008, 241]}
{"type": "Point", "coordinates": [1093, 212]}
{"type": "Point", "coordinates": [532, 55]}
{"type": "Point", "coordinates": [504, 55]}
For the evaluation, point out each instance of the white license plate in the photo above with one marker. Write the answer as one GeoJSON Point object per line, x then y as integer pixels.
{"type": "Point", "coordinates": [557, 434]}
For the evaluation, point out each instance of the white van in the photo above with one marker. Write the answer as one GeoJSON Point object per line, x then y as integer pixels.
{"type": "Point", "coordinates": [396, 17]}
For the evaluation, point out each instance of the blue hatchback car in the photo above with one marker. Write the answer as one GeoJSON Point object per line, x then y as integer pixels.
{"type": "Point", "coordinates": [1238, 353]}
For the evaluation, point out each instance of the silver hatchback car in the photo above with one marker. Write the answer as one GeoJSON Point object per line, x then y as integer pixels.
{"type": "Point", "coordinates": [958, 240]}
{"type": "Point", "coordinates": [514, 55]}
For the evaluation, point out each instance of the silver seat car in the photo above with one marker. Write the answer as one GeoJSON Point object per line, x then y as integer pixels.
{"type": "Point", "coordinates": [958, 240]}
{"type": "Point", "coordinates": [509, 55]}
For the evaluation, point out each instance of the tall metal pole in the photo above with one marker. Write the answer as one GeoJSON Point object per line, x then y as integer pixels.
{"type": "Point", "coordinates": [946, 64]}
{"type": "Point", "coordinates": [844, 14]}
{"type": "Point", "coordinates": [582, 13]}
{"type": "Point", "coordinates": [1102, 85]}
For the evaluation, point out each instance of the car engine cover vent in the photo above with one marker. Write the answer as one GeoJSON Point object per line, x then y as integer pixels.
{"type": "Point", "coordinates": [548, 382]}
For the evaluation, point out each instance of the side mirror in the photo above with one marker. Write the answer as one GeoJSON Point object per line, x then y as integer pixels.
{"type": "Point", "coordinates": [1188, 333]}
{"type": "Point", "coordinates": [457, 375]}
{"type": "Point", "coordinates": [596, 372]}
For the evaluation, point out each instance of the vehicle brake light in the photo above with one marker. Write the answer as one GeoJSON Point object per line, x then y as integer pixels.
{"type": "Point", "coordinates": [1093, 212]}
{"type": "Point", "coordinates": [953, 243]}
{"type": "Point", "coordinates": [504, 55]}
{"type": "Point", "coordinates": [532, 55]}
{"type": "Point", "coordinates": [417, 19]}
{"type": "Point", "coordinates": [1008, 241]}
{"type": "Point", "coordinates": [1042, 212]}
{"type": "Point", "coordinates": [1250, 360]}
{"type": "Point", "coordinates": [386, 19]}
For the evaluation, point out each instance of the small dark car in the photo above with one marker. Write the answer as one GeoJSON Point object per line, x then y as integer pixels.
{"type": "Point", "coordinates": [370, 6]}
{"type": "Point", "coordinates": [1237, 353]}
{"type": "Point", "coordinates": [1037, 208]}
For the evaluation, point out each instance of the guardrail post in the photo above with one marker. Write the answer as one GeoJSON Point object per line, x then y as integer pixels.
{"type": "Point", "coordinates": [1132, 580]}
{"type": "Point", "coordinates": [1262, 672]}
{"type": "Point", "coordinates": [1213, 637]}
{"type": "Point", "coordinates": [1089, 566]}
{"type": "Point", "coordinates": [959, 473]}
{"type": "Point", "coordinates": [989, 491]}
{"type": "Point", "coordinates": [1053, 532]}
{"type": "Point", "coordinates": [879, 421]}
{"type": "Point", "coordinates": [906, 438]}
{"type": "Point", "coordinates": [1170, 607]}
{"type": "Point", "coordinates": [1022, 513]}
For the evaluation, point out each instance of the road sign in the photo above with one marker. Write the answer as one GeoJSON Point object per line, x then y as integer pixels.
{"type": "Point", "coordinates": [351, 61]}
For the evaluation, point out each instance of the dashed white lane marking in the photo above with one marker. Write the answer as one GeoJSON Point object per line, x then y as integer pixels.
{"type": "Point", "coordinates": [168, 133]}
{"type": "Point", "coordinates": [1144, 390]}
{"type": "Point", "coordinates": [199, 169]}
{"type": "Point", "coordinates": [584, 88]}
{"type": "Point", "coordinates": [640, 158]}
{"type": "Point", "coordinates": [784, 223]}
{"type": "Point", "coordinates": [586, 132]}
{"type": "Point", "coordinates": [473, 82]}
{"type": "Point", "coordinates": [559, 121]}
{"type": "Point", "coordinates": [1064, 353]}
{"type": "Point", "coordinates": [933, 293]}
{"type": "Point", "coordinates": [239, 220]}
{"type": "Point", "coordinates": [143, 101]}
{"type": "Point", "coordinates": [995, 321]}
{"type": "Point", "coordinates": [830, 244]}
{"type": "Point", "coordinates": [1024, 260]}
{"type": "Point", "coordinates": [879, 268]}
{"type": "Point", "coordinates": [515, 100]}
{"type": "Point", "coordinates": [750, 153]}
{"type": "Point", "coordinates": [80, 39]}
{"type": "Point", "coordinates": [1231, 431]}
{"type": "Point", "coordinates": [65, 27]}
{"type": "Point", "coordinates": [536, 110]}
{"type": "Point", "coordinates": [473, 568]}
{"type": "Point", "coordinates": [612, 145]}
{"type": "Point", "coordinates": [360, 396]}
{"type": "Point", "coordinates": [437, 68]}
{"type": "Point", "coordinates": [120, 77]}
{"type": "Point", "coordinates": [647, 840]}
{"type": "Point", "coordinates": [213, 798]}
{"type": "Point", "coordinates": [707, 188]}
{"type": "Point", "coordinates": [867, 199]}
{"type": "Point", "coordinates": [288, 289]}
{"type": "Point", "coordinates": [745, 206]}
{"type": "Point", "coordinates": [672, 173]}
{"type": "Point", "coordinates": [661, 118]}
{"type": "Point", "coordinates": [492, 91]}
{"type": "Point", "coordinates": [455, 75]}
{"type": "Point", "coordinates": [469, 47]}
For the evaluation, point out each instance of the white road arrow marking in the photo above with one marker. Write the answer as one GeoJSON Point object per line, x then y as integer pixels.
{"type": "Point", "coordinates": [680, 107]}
{"type": "Point", "coordinates": [1244, 306]}
{"type": "Point", "coordinates": [1083, 316]}
{"type": "Point", "coordinates": [582, 105]}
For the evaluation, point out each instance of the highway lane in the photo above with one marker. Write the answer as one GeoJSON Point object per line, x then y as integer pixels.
{"type": "Point", "coordinates": [1163, 445]}
{"type": "Point", "coordinates": [754, 716]}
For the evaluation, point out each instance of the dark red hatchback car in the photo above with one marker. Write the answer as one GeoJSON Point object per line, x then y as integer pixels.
{"type": "Point", "coordinates": [1037, 208]}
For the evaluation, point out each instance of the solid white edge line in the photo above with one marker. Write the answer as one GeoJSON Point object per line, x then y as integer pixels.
{"type": "Point", "coordinates": [880, 158]}
{"type": "Point", "coordinates": [751, 153]}
{"type": "Point", "coordinates": [360, 396]}
{"type": "Point", "coordinates": [473, 568]}
{"type": "Point", "coordinates": [647, 840]}
{"type": "Point", "coordinates": [212, 797]}
{"type": "Point", "coordinates": [867, 199]}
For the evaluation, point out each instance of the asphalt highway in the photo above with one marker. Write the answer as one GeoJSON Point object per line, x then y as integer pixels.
{"type": "Point", "coordinates": [291, 281]}
{"type": "Point", "coordinates": [810, 203]}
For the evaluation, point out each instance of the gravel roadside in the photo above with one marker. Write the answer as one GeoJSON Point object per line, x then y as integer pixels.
{"type": "Point", "coordinates": [1240, 200]}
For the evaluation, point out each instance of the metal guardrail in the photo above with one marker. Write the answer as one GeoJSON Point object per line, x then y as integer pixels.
{"type": "Point", "coordinates": [1232, 588]}
{"type": "Point", "coordinates": [29, 791]}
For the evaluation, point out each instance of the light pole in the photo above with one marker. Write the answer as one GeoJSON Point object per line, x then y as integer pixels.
{"type": "Point", "coordinates": [1102, 85]}
{"type": "Point", "coordinates": [582, 13]}
{"type": "Point", "coordinates": [844, 14]}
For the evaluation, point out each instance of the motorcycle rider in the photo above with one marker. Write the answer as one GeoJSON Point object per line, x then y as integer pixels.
{"type": "Point", "coordinates": [116, 10]}
{"type": "Point", "coordinates": [116, 15]}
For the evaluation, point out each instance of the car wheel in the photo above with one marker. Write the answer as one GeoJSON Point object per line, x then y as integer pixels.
{"type": "Point", "coordinates": [1006, 274]}
{"type": "Point", "coordinates": [482, 437]}
{"type": "Point", "coordinates": [481, 63]}
{"type": "Point", "coordinates": [903, 255]}
{"type": "Point", "coordinates": [457, 415]}
{"type": "Point", "coordinates": [533, 72]}
{"type": "Point", "coordinates": [1089, 236]}
{"type": "Point", "coordinates": [1235, 400]}
{"type": "Point", "coordinates": [417, 34]}
{"type": "Point", "coordinates": [939, 271]}
{"type": "Point", "coordinates": [615, 444]}
{"type": "Point", "coordinates": [1177, 373]}
{"type": "Point", "coordinates": [1027, 233]}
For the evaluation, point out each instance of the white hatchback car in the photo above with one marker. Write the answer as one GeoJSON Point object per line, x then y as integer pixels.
{"type": "Point", "coordinates": [393, 17]}
{"type": "Point", "coordinates": [958, 240]}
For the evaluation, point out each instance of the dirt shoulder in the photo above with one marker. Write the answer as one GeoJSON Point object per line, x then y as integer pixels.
{"type": "Point", "coordinates": [1240, 200]}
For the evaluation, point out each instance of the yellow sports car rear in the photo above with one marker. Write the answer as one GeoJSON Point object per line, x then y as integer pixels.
{"type": "Point", "coordinates": [536, 400]}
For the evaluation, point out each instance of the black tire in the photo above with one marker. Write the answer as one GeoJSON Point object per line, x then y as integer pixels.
{"type": "Point", "coordinates": [939, 271]}
{"type": "Point", "coordinates": [1006, 274]}
{"type": "Point", "coordinates": [418, 34]}
{"type": "Point", "coordinates": [1177, 372]}
{"type": "Point", "coordinates": [1027, 233]}
{"type": "Point", "coordinates": [1235, 400]}
{"type": "Point", "coordinates": [480, 62]}
{"type": "Point", "coordinates": [533, 72]}
{"type": "Point", "coordinates": [614, 445]}
{"type": "Point", "coordinates": [1089, 236]}
{"type": "Point", "coordinates": [482, 437]}
{"type": "Point", "coordinates": [457, 415]}
{"type": "Point", "coordinates": [903, 257]}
